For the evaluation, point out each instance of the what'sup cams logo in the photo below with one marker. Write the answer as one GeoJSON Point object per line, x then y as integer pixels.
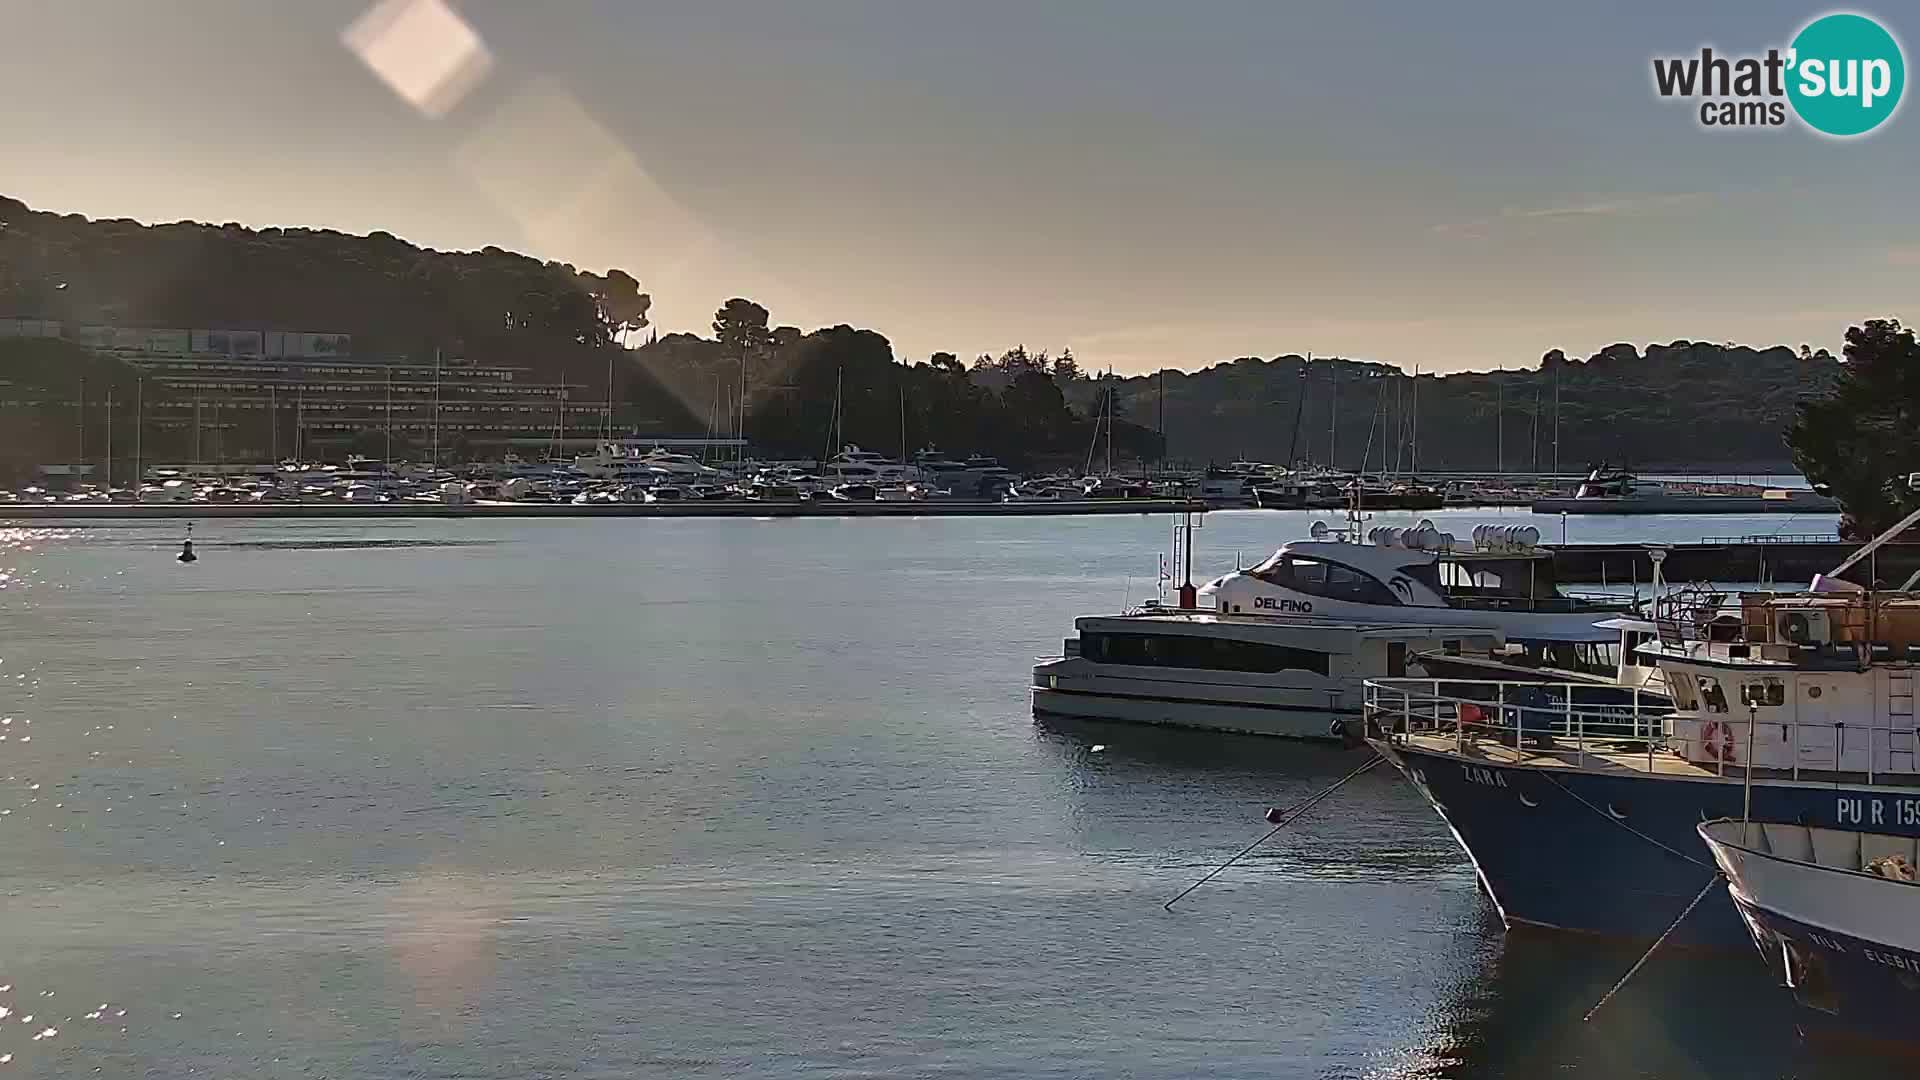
{"type": "Point", "coordinates": [1842, 76]}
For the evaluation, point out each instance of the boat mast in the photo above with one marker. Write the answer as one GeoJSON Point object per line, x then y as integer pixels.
{"type": "Point", "coordinates": [109, 438]}
{"type": "Point", "coordinates": [1299, 409]}
{"type": "Point", "coordinates": [1556, 420]}
{"type": "Point", "coordinates": [1413, 458]}
{"type": "Point", "coordinates": [139, 421]}
{"type": "Point", "coordinates": [1500, 426]}
{"type": "Point", "coordinates": [1110, 394]}
{"type": "Point", "coordinates": [1333, 412]}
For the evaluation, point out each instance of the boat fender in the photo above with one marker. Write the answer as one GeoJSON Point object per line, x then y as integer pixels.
{"type": "Point", "coordinates": [186, 552]}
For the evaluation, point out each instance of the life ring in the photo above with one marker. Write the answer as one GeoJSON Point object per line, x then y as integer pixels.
{"type": "Point", "coordinates": [1719, 740]}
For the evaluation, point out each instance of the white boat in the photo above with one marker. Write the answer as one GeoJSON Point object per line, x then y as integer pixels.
{"type": "Point", "coordinates": [1835, 914]}
{"type": "Point", "coordinates": [853, 465]}
{"type": "Point", "coordinates": [624, 463]}
{"type": "Point", "coordinates": [167, 491]}
{"type": "Point", "coordinates": [975, 476]}
{"type": "Point", "coordinates": [1502, 585]}
{"type": "Point", "coordinates": [1611, 491]}
{"type": "Point", "coordinates": [1258, 674]}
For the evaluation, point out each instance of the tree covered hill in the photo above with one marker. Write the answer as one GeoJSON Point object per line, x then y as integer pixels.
{"type": "Point", "coordinates": [1687, 403]}
{"type": "Point", "coordinates": [394, 298]}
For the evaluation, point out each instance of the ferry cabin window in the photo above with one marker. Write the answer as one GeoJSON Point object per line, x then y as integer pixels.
{"type": "Point", "coordinates": [1218, 654]}
{"type": "Point", "coordinates": [1711, 695]}
{"type": "Point", "coordinates": [1685, 695]}
{"type": "Point", "coordinates": [1330, 580]}
{"type": "Point", "coordinates": [1763, 692]}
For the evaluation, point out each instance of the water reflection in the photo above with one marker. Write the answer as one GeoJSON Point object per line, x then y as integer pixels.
{"type": "Point", "coordinates": [1684, 1015]}
{"type": "Point", "coordinates": [1166, 783]}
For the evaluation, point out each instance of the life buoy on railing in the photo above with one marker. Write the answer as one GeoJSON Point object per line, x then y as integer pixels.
{"type": "Point", "coordinates": [1719, 739]}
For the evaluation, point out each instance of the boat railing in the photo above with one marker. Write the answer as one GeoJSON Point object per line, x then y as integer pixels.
{"type": "Point", "coordinates": [1533, 719]}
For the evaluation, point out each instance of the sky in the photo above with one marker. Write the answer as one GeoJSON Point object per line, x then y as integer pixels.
{"type": "Point", "coordinates": [1149, 184]}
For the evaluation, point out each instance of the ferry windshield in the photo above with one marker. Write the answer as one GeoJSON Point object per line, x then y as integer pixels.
{"type": "Point", "coordinates": [1319, 577]}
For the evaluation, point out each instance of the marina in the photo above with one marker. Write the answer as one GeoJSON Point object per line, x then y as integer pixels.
{"type": "Point", "coordinates": [1080, 815]}
{"type": "Point", "coordinates": [801, 541]}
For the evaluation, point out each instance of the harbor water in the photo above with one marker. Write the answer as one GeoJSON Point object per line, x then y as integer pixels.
{"type": "Point", "coordinates": [610, 798]}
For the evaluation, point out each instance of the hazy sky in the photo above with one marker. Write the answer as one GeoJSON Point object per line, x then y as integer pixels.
{"type": "Point", "coordinates": [1150, 183]}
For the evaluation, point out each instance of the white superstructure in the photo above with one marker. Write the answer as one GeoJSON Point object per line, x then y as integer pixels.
{"type": "Point", "coordinates": [1502, 585]}
{"type": "Point", "coordinates": [1263, 675]}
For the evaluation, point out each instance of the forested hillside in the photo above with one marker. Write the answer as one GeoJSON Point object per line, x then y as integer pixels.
{"type": "Point", "coordinates": [1684, 403]}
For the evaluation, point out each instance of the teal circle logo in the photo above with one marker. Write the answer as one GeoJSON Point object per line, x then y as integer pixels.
{"type": "Point", "coordinates": [1847, 75]}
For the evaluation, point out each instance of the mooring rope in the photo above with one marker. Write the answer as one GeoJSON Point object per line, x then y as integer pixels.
{"type": "Point", "coordinates": [1281, 820]}
{"type": "Point", "coordinates": [1608, 996]}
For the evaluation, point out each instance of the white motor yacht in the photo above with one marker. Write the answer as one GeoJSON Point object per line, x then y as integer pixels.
{"type": "Point", "coordinates": [853, 465]}
{"type": "Point", "coordinates": [1502, 584]}
{"type": "Point", "coordinates": [1259, 674]}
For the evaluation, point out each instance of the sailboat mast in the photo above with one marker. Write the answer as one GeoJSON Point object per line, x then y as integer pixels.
{"type": "Point", "coordinates": [1333, 413]}
{"type": "Point", "coordinates": [139, 422]}
{"type": "Point", "coordinates": [1413, 459]}
{"type": "Point", "coordinates": [109, 438]}
{"type": "Point", "coordinates": [1556, 420]}
{"type": "Point", "coordinates": [1110, 395]}
{"type": "Point", "coordinates": [741, 450]}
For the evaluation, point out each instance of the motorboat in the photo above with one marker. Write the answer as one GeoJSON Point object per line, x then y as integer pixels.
{"type": "Point", "coordinates": [1297, 677]}
{"type": "Point", "coordinates": [167, 491]}
{"type": "Point", "coordinates": [1504, 584]}
{"type": "Point", "coordinates": [1113, 487]}
{"type": "Point", "coordinates": [1615, 491]}
{"type": "Point", "coordinates": [1835, 914]}
{"type": "Point", "coordinates": [854, 465]}
{"type": "Point", "coordinates": [1300, 491]}
{"type": "Point", "coordinates": [629, 463]}
{"type": "Point", "coordinates": [1228, 488]}
{"type": "Point", "coordinates": [855, 492]}
{"type": "Point", "coordinates": [773, 491]}
{"type": "Point", "coordinates": [663, 493]}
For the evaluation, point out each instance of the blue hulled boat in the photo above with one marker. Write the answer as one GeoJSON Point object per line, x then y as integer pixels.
{"type": "Point", "coordinates": [1579, 813]}
{"type": "Point", "coordinates": [1836, 916]}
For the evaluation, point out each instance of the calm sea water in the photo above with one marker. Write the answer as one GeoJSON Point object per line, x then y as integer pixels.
{"type": "Point", "coordinates": [724, 798]}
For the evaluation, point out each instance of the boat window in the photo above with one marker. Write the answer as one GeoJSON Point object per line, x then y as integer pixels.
{"type": "Point", "coordinates": [1629, 658]}
{"type": "Point", "coordinates": [1184, 651]}
{"type": "Point", "coordinates": [1685, 697]}
{"type": "Point", "coordinates": [1711, 695]}
{"type": "Point", "coordinates": [1426, 574]}
{"type": "Point", "coordinates": [1333, 581]}
{"type": "Point", "coordinates": [1763, 692]}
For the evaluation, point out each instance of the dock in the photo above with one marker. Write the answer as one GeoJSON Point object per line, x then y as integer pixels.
{"type": "Point", "coordinates": [698, 509]}
{"type": "Point", "coordinates": [1792, 559]}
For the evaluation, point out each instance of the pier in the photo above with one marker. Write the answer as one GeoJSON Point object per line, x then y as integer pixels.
{"type": "Point", "coordinates": [699, 509]}
{"type": "Point", "coordinates": [1788, 559]}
